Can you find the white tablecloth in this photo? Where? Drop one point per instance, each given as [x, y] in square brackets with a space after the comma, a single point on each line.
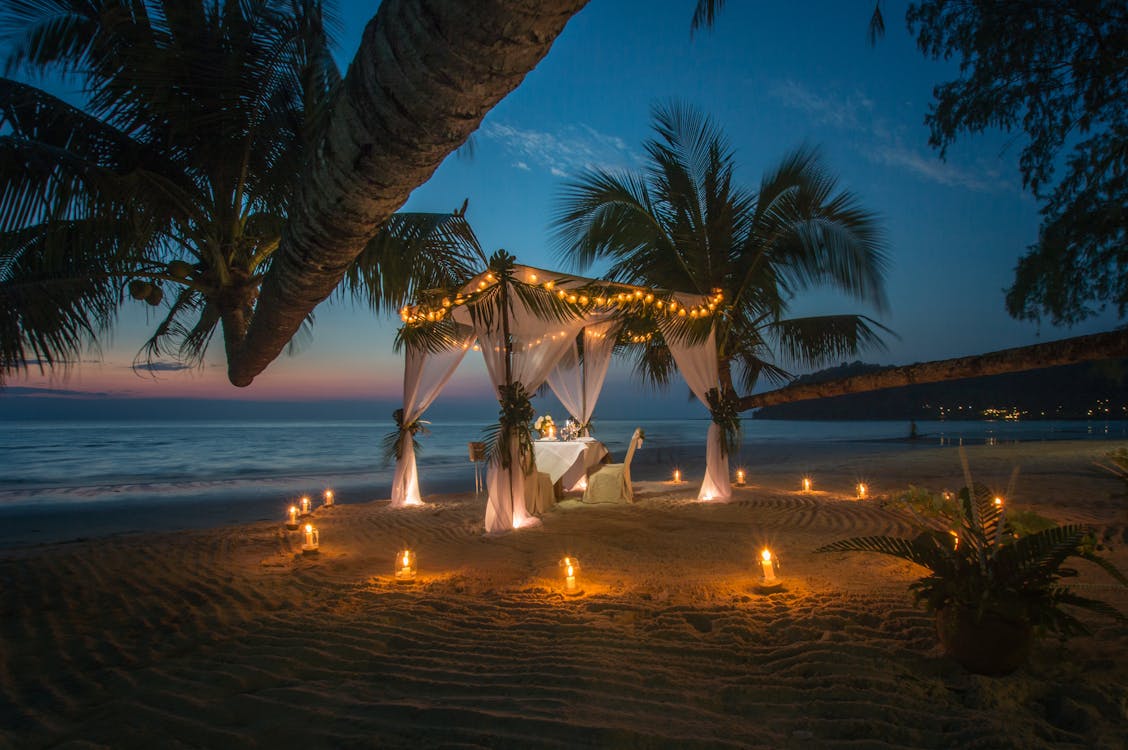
[567, 461]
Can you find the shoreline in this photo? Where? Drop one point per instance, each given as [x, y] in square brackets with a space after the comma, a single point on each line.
[842, 463]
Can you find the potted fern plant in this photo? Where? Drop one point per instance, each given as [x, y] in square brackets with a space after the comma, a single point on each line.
[990, 584]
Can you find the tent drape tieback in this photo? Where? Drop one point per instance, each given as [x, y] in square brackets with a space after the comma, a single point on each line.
[396, 441]
[724, 407]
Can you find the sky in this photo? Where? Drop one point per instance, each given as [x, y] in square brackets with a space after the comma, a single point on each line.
[773, 76]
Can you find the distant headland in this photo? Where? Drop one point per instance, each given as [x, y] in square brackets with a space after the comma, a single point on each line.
[1092, 390]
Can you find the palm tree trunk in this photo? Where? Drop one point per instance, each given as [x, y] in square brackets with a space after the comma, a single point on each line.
[425, 75]
[1065, 352]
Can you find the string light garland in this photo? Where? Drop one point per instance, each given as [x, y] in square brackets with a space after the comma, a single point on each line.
[587, 298]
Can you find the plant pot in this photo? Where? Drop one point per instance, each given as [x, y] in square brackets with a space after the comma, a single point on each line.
[993, 645]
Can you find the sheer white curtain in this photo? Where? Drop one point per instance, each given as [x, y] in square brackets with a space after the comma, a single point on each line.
[537, 347]
[578, 386]
[698, 365]
[424, 376]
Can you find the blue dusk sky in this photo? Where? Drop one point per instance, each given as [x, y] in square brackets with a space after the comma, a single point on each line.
[774, 76]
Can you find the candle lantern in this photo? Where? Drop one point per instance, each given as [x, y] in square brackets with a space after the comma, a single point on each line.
[328, 498]
[311, 541]
[998, 502]
[571, 566]
[292, 518]
[806, 484]
[405, 567]
[862, 490]
[739, 478]
[677, 476]
[768, 568]
[305, 505]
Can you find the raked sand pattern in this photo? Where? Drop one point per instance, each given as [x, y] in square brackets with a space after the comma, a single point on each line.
[231, 638]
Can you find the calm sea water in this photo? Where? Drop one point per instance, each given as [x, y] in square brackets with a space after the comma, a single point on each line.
[165, 472]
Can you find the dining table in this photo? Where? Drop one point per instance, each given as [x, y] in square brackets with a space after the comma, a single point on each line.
[567, 461]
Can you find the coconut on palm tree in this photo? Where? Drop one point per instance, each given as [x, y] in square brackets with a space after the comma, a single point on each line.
[685, 224]
[172, 180]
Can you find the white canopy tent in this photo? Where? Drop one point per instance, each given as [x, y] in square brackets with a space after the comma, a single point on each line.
[528, 342]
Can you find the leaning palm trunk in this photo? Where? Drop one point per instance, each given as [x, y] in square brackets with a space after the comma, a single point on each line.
[424, 77]
[1107, 345]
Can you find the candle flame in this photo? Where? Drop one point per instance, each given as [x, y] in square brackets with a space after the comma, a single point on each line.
[806, 484]
[861, 490]
[309, 528]
[406, 559]
[766, 555]
[570, 572]
[999, 502]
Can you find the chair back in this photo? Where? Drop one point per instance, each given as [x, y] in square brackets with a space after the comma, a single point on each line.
[631, 448]
[477, 451]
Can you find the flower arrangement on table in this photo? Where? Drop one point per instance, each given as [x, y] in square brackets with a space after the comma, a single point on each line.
[545, 426]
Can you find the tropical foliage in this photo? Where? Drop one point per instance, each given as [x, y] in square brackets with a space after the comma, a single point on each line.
[685, 224]
[170, 181]
[980, 563]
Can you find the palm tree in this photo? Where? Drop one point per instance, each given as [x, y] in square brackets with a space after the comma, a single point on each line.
[176, 175]
[684, 224]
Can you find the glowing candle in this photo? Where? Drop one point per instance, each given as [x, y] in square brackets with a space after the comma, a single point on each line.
[551, 432]
[740, 477]
[570, 565]
[292, 518]
[328, 498]
[312, 540]
[405, 567]
[307, 507]
[767, 566]
[998, 502]
[806, 484]
[861, 491]
[677, 476]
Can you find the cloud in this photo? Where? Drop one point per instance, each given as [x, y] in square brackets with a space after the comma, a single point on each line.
[562, 152]
[854, 112]
[162, 366]
[930, 167]
[882, 144]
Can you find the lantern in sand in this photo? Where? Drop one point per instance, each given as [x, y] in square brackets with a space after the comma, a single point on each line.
[739, 478]
[570, 566]
[328, 499]
[768, 568]
[292, 518]
[311, 540]
[806, 484]
[405, 567]
[861, 490]
[677, 476]
[305, 506]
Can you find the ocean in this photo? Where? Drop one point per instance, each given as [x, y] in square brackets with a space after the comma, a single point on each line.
[107, 477]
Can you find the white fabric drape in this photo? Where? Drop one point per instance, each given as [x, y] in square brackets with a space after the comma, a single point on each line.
[535, 352]
[698, 365]
[578, 385]
[425, 374]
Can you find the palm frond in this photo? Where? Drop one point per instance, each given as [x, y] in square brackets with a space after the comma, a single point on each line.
[414, 252]
[817, 340]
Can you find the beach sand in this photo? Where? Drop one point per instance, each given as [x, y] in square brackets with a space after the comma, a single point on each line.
[230, 637]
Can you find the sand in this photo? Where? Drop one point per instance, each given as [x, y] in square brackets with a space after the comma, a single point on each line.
[230, 637]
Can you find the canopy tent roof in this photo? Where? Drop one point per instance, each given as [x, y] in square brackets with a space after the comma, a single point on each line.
[526, 321]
